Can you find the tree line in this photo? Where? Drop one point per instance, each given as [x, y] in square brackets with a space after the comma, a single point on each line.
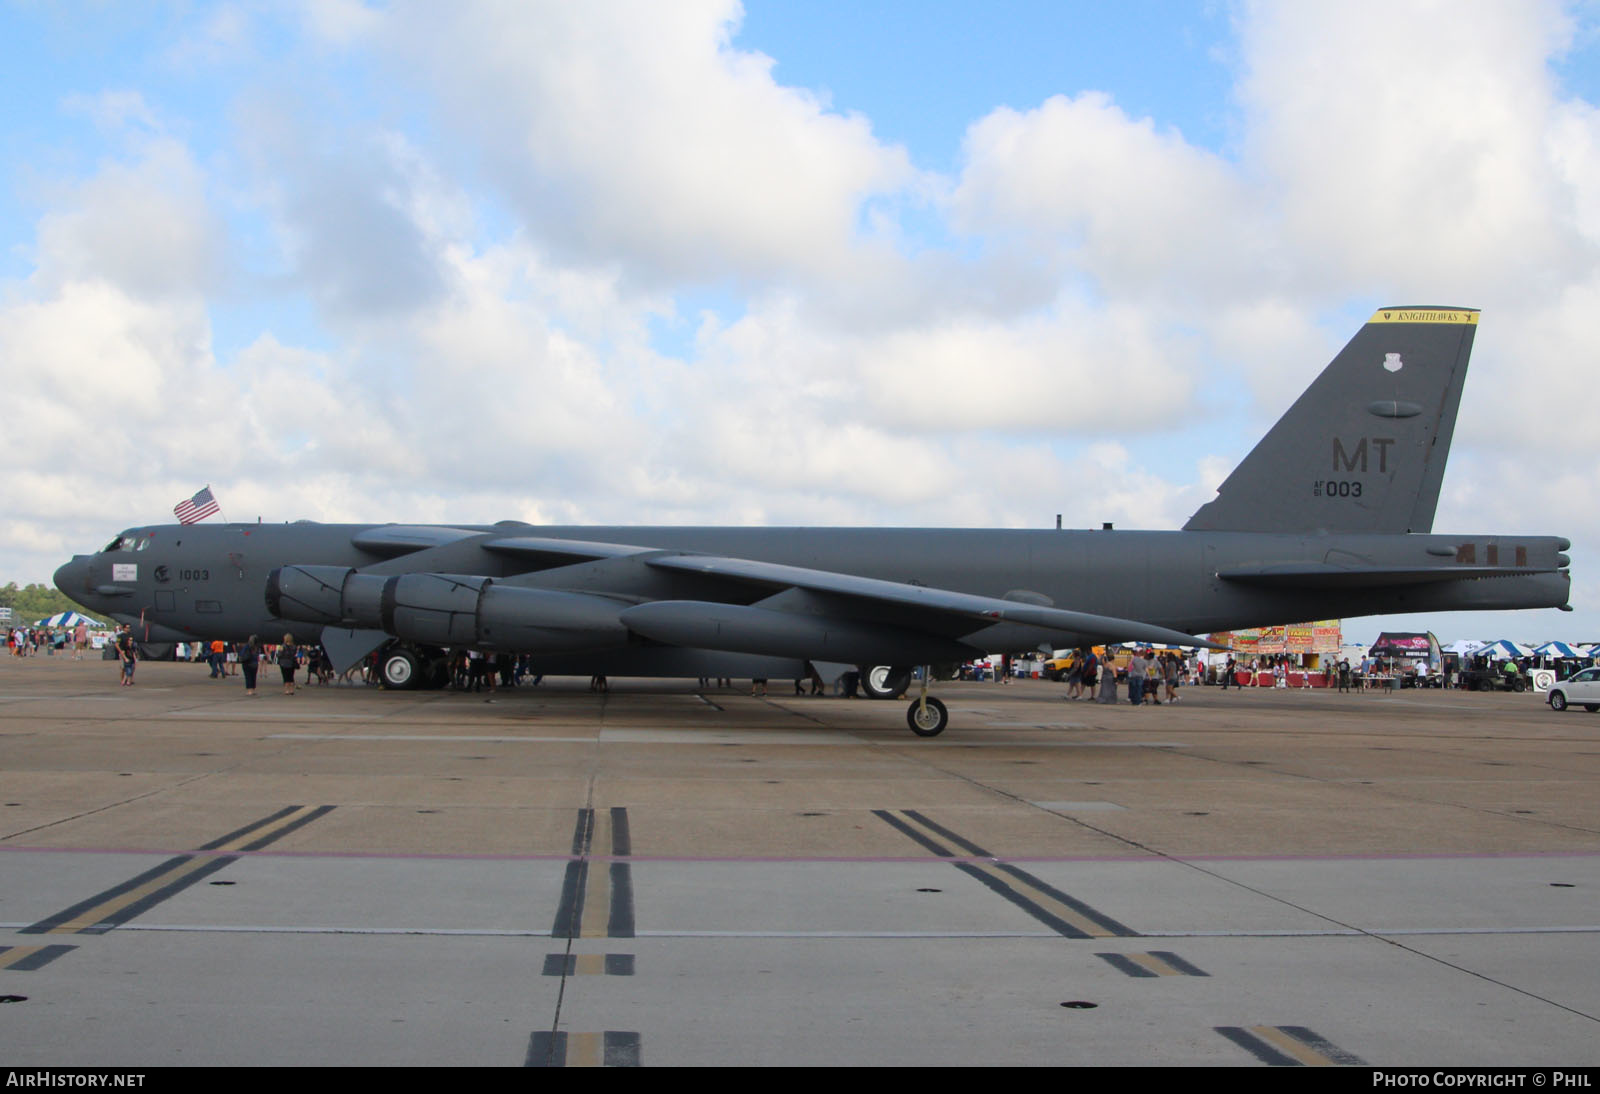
[33, 602]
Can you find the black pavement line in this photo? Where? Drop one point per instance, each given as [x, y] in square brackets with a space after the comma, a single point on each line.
[38, 959]
[546, 1049]
[583, 832]
[1054, 922]
[180, 866]
[566, 964]
[274, 836]
[619, 924]
[965, 844]
[621, 1049]
[83, 907]
[1017, 872]
[621, 839]
[51, 922]
[1256, 1047]
[618, 1048]
[1179, 963]
[238, 833]
[1125, 964]
[906, 829]
[1021, 900]
[569, 913]
[1070, 901]
[150, 900]
[1320, 1044]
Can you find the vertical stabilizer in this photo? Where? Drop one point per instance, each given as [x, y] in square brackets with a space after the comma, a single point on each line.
[1364, 449]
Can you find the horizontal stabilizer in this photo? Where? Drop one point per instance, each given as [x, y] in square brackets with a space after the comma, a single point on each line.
[1324, 576]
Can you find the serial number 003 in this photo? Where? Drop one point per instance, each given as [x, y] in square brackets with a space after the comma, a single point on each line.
[1336, 488]
[194, 575]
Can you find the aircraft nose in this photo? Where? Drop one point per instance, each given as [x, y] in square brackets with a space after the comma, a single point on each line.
[73, 577]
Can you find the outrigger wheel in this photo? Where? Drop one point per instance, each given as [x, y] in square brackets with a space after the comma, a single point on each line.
[927, 716]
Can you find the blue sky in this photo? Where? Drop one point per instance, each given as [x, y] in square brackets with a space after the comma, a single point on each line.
[977, 264]
[921, 71]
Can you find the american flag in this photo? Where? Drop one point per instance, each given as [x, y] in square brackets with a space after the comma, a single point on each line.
[197, 508]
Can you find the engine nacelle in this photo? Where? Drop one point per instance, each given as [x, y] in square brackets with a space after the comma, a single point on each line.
[437, 609]
[309, 594]
[548, 621]
[448, 609]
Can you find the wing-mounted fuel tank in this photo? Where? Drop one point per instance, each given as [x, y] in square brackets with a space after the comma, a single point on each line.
[447, 609]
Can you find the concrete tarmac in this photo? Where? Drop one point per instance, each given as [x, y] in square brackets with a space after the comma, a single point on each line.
[657, 876]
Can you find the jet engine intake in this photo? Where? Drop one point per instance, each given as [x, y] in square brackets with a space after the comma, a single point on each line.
[309, 594]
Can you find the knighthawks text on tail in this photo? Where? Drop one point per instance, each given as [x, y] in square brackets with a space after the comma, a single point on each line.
[1330, 515]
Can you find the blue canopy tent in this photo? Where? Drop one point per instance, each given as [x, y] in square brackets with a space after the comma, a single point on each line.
[69, 619]
[1559, 649]
[1503, 649]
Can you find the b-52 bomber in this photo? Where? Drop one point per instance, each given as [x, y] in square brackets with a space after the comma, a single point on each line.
[1330, 515]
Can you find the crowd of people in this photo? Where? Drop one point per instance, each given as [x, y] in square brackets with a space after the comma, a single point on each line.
[468, 670]
[233, 659]
[31, 641]
[1153, 678]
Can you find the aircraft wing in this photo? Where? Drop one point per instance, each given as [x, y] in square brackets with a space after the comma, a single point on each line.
[543, 552]
[733, 605]
[392, 540]
[847, 598]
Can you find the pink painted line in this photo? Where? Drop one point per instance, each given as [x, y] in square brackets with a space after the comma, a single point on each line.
[821, 859]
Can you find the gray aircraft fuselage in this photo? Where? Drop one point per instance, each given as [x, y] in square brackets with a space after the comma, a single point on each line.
[207, 581]
[1329, 516]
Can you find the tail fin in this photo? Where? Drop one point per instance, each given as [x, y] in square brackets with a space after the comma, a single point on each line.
[1364, 449]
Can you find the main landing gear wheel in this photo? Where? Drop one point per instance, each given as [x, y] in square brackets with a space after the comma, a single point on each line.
[927, 717]
[884, 681]
[399, 669]
[437, 673]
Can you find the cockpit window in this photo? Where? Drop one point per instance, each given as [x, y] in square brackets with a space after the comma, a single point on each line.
[127, 541]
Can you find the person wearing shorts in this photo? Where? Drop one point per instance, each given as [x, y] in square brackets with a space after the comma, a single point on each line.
[125, 651]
